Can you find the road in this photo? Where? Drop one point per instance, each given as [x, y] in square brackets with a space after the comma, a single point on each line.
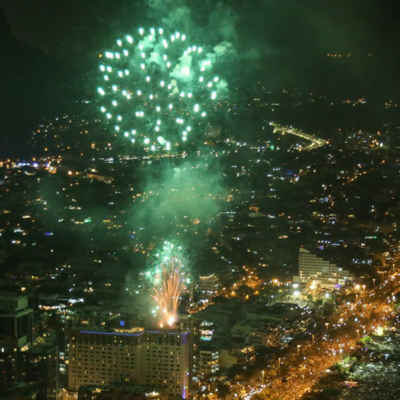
[306, 362]
[315, 142]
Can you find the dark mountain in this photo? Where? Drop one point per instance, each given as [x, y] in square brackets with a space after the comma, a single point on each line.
[32, 85]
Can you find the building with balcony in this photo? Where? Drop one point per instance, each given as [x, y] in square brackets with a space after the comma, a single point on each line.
[208, 360]
[315, 272]
[208, 285]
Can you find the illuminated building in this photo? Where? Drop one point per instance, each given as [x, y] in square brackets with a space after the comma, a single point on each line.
[120, 393]
[315, 271]
[208, 360]
[237, 356]
[209, 285]
[206, 330]
[158, 359]
[191, 324]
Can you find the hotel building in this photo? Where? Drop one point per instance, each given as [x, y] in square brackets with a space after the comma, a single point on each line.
[315, 271]
[136, 356]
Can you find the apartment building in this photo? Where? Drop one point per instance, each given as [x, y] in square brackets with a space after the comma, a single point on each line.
[315, 271]
[135, 356]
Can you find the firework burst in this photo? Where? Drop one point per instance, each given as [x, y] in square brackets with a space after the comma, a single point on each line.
[157, 89]
[169, 281]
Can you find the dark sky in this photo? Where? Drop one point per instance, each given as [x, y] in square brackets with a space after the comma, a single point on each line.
[47, 46]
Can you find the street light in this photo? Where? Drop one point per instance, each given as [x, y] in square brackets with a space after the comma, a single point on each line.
[262, 374]
[327, 326]
[373, 281]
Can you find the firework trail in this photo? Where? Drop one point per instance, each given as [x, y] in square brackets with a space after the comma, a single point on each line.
[169, 281]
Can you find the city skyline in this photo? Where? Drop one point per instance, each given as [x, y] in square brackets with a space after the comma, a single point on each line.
[199, 200]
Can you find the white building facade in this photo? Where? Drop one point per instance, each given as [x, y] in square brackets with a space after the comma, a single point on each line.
[315, 271]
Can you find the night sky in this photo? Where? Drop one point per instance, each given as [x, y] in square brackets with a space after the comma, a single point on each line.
[48, 48]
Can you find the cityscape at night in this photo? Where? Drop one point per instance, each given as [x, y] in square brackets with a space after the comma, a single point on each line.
[199, 200]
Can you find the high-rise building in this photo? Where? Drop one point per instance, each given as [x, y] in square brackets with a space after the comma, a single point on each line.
[67, 319]
[40, 368]
[208, 360]
[16, 321]
[102, 358]
[190, 323]
[136, 356]
[22, 361]
[315, 271]
[166, 357]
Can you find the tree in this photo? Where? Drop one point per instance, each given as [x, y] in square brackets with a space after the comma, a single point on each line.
[328, 309]
[235, 370]
[318, 303]
[223, 390]
[366, 340]
[244, 290]
[329, 393]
